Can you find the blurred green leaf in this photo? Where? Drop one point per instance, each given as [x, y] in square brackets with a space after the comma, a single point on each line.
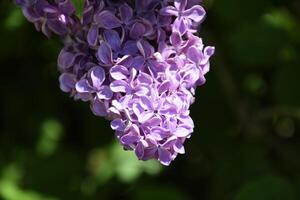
[14, 19]
[51, 132]
[79, 5]
[268, 188]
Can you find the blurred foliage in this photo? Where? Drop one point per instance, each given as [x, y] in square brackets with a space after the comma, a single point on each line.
[246, 144]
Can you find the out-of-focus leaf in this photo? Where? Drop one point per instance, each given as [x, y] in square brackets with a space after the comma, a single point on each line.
[51, 132]
[79, 5]
[159, 192]
[268, 188]
[14, 19]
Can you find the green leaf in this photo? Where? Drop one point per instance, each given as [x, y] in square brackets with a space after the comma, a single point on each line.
[79, 5]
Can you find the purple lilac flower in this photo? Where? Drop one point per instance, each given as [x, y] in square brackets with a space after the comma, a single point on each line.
[138, 64]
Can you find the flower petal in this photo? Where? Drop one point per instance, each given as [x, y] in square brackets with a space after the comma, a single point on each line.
[119, 86]
[97, 76]
[104, 53]
[67, 82]
[118, 125]
[182, 132]
[196, 13]
[105, 93]
[164, 156]
[113, 39]
[83, 86]
[119, 72]
[92, 36]
[107, 20]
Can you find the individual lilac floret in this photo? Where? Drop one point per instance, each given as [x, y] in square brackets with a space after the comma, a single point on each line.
[56, 17]
[137, 63]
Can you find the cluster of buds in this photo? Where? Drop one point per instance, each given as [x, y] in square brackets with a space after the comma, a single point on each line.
[138, 63]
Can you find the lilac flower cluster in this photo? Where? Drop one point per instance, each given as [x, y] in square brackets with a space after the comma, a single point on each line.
[137, 63]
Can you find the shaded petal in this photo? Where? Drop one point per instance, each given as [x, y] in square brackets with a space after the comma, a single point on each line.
[165, 86]
[126, 13]
[66, 59]
[178, 147]
[118, 125]
[145, 48]
[146, 103]
[99, 108]
[144, 78]
[138, 30]
[129, 48]
[176, 39]
[159, 133]
[139, 150]
[104, 53]
[180, 26]
[164, 156]
[105, 93]
[113, 39]
[138, 62]
[129, 139]
[92, 36]
[107, 20]
[67, 82]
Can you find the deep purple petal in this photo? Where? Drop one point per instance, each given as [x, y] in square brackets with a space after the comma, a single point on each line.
[104, 53]
[67, 82]
[107, 20]
[92, 36]
[113, 39]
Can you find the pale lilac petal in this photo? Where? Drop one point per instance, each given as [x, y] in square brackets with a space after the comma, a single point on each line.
[119, 72]
[194, 54]
[83, 86]
[182, 132]
[119, 86]
[180, 4]
[104, 93]
[196, 13]
[169, 10]
[97, 76]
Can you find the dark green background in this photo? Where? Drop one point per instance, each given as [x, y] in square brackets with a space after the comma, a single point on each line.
[246, 144]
